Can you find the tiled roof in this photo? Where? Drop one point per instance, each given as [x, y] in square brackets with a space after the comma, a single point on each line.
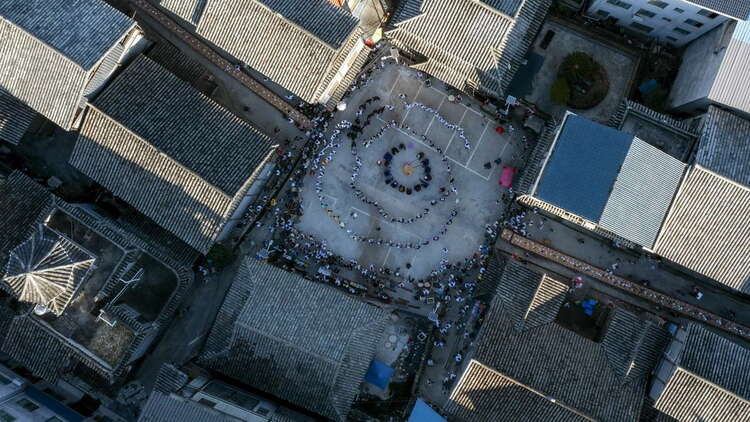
[295, 339]
[296, 47]
[739, 9]
[642, 193]
[162, 407]
[15, 118]
[706, 229]
[169, 151]
[485, 395]
[529, 300]
[48, 48]
[509, 7]
[711, 383]
[189, 10]
[725, 145]
[170, 379]
[731, 86]
[597, 380]
[81, 30]
[478, 48]
[179, 64]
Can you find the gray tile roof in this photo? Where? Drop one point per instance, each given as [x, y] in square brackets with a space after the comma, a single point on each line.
[529, 300]
[739, 9]
[485, 395]
[171, 58]
[301, 341]
[725, 145]
[169, 151]
[189, 10]
[49, 47]
[731, 86]
[706, 228]
[15, 118]
[162, 407]
[81, 30]
[170, 379]
[642, 192]
[712, 381]
[594, 379]
[509, 7]
[300, 48]
[479, 48]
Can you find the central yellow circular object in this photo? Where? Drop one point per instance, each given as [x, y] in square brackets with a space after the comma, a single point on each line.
[408, 169]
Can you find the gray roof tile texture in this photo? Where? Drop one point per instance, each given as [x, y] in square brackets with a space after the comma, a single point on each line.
[184, 124]
[739, 9]
[81, 30]
[321, 18]
[298, 340]
[595, 379]
[725, 145]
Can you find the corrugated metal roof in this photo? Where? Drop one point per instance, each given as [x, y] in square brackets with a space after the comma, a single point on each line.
[642, 193]
[732, 84]
[582, 167]
[739, 9]
[725, 145]
[706, 229]
[81, 30]
[275, 46]
[479, 48]
[298, 340]
[170, 152]
[15, 118]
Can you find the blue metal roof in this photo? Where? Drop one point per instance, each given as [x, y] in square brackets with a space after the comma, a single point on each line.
[583, 166]
[422, 412]
[379, 374]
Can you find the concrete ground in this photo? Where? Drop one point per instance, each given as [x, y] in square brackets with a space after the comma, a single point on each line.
[678, 145]
[620, 67]
[477, 186]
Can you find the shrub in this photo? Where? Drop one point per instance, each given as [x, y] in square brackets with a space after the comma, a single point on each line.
[220, 256]
[560, 91]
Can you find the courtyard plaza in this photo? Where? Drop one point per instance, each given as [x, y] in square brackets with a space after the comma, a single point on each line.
[407, 181]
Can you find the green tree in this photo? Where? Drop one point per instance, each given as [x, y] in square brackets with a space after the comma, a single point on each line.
[560, 91]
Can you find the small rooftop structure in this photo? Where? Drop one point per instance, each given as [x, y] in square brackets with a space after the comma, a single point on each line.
[706, 229]
[528, 367]
[56, 53]
[715, 70]
[480, 48]
[301, 341]
[703, 376]
[724, 145]
[77, 282]
[170, 152]
[608, 178]
[314, 51]
[197, 397]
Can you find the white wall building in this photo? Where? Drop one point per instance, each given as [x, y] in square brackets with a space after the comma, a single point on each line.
[675, 22]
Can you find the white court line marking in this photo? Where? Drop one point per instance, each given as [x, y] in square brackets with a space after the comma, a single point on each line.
[454, 132]
[427, 146]
[478, 144]
[413, 101]
[433, 117]
[363, 212]
[387, 254]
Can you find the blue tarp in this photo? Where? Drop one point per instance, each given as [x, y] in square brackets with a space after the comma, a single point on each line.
[424, 413]
[583, 166]
[379, 374]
